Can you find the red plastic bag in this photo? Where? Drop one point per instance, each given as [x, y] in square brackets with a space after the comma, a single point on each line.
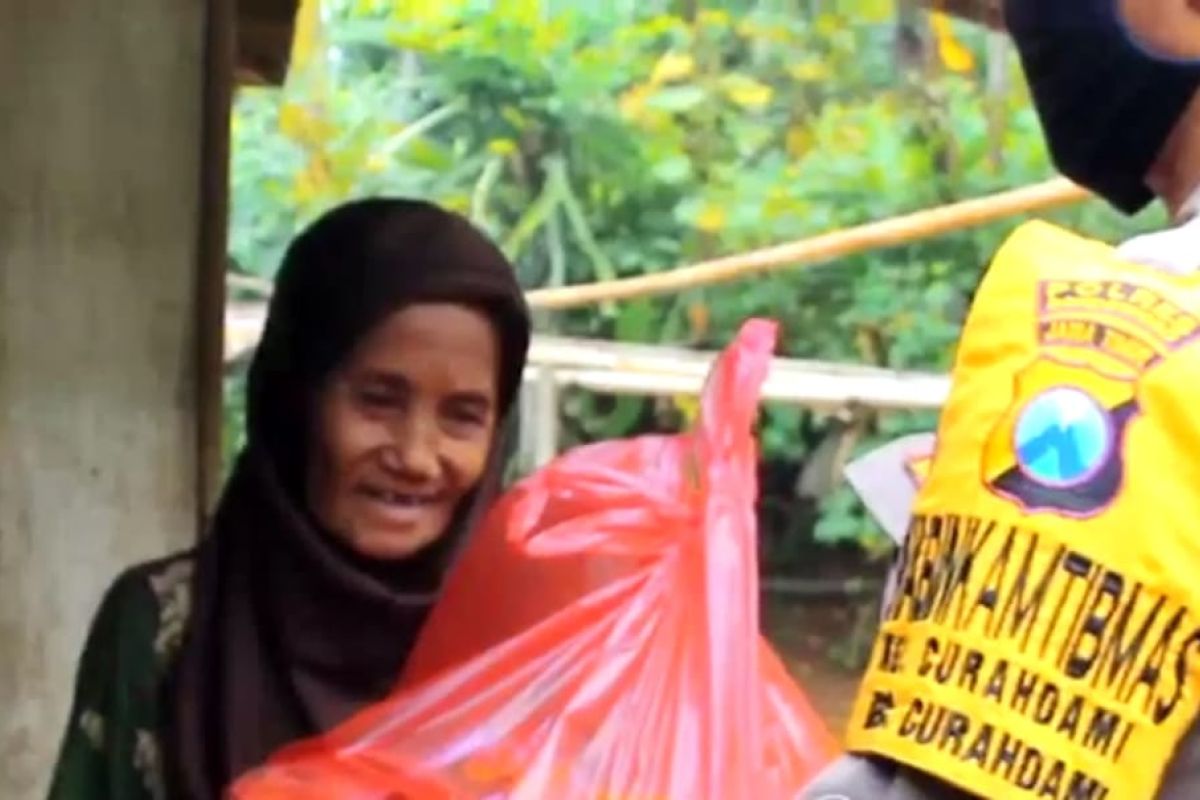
[598, 639]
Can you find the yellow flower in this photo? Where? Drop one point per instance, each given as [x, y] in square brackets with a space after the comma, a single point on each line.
[827, 24]
[293, 120]
[673, 67]
[654, 26]
[458, 201]
[376, 163]
[308, 39]
[715, 18]
[313, 181]
[547, 36]
[749, 29]
[502, 147]
[875, 10]
[956, 56]
[810, 71]
[747, 92]
[711, 218]
[301, 123]
[798, 140]
[633, 101]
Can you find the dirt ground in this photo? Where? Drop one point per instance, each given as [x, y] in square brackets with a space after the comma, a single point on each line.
[812, 637]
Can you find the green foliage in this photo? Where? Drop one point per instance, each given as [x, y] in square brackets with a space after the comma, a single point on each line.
[625, 138]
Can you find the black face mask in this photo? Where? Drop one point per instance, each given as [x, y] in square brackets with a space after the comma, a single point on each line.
[1107, 105]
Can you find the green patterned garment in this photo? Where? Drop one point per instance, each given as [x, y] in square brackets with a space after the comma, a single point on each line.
[112, 747]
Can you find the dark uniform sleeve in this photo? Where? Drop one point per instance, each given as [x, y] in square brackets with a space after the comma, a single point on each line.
[855, 777]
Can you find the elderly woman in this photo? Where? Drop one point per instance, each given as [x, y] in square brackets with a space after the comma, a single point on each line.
[376, 402]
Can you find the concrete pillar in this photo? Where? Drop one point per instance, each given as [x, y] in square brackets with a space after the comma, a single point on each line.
[101, 129]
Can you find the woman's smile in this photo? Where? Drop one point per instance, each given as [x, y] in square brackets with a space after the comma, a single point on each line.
[402, 508]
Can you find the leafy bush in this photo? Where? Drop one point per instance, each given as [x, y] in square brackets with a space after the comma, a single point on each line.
[628, 137]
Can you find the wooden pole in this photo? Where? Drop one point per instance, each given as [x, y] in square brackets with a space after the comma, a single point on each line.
[836, 244]
[904, 229]
[220, 54]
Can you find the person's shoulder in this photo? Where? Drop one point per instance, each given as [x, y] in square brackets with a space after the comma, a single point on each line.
[155, 580]
[1175, 250]
[160, 576]
[152, 600]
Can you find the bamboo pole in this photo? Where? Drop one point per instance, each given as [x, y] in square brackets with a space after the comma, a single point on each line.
[836, 244]
[904, 229]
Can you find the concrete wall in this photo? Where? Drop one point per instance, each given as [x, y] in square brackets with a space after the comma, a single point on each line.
[100, 147]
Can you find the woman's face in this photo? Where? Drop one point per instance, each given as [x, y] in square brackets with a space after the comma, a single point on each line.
[404, 429]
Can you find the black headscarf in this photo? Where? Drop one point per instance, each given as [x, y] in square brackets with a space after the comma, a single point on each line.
[291, 633]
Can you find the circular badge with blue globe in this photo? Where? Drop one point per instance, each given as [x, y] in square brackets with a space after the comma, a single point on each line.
[1063, 437]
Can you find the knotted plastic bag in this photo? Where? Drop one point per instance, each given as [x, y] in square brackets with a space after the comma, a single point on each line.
[598, 639]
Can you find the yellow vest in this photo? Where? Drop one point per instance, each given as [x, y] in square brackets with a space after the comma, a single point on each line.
[1044, 637]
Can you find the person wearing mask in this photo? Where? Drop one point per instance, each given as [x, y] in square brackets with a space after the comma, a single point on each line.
[376, 407]
[1116, 84]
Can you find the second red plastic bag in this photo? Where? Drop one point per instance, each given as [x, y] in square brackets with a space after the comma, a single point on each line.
[597, 640]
